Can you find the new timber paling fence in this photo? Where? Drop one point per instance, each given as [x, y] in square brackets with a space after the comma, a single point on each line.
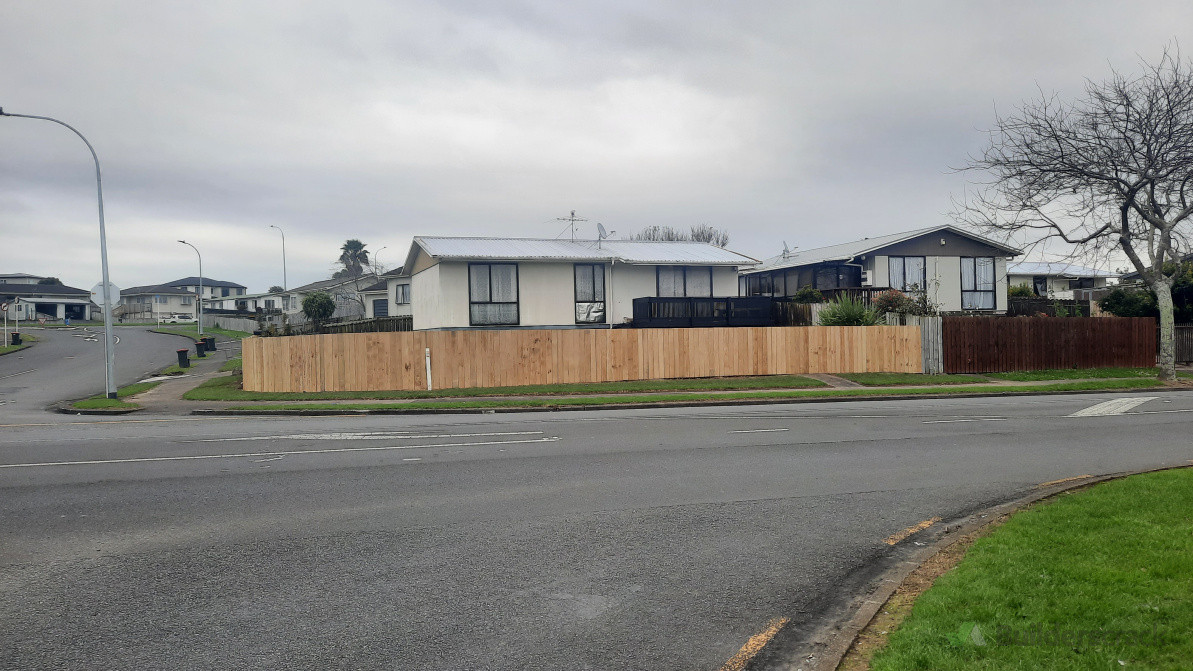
[995, 344]
[500, 358]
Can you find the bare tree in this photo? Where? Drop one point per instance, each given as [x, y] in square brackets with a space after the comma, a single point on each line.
[1110, 171]
[699, 233]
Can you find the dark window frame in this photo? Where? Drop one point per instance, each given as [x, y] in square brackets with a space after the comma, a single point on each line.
[517, 295]
[922, 284]
[596, 268]
[383, 303]
[992, 291]
[685, 269]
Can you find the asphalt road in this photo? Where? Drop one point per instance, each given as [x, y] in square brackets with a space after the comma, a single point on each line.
[634, 539]
[68, 364]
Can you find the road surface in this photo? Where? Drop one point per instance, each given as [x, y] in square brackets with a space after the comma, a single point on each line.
[630, 539]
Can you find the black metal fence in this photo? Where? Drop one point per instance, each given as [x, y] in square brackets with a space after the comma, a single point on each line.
[375, 325]
[681, 312]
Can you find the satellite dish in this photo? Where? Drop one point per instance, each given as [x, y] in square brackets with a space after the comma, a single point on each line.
[601, 230]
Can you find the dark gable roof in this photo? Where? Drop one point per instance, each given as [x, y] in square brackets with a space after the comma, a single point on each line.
[383, 285]
[41, 290]
[207, 282]
[155, 289]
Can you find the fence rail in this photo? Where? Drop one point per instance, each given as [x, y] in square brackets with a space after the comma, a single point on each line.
[993, 344]
[462, 359]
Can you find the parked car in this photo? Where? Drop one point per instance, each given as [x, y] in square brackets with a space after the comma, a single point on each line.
[176, 319]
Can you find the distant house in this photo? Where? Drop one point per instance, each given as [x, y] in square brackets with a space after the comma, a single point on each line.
[389, 296]
[960, 271]
[344, 291]
[1058, 280]
[19, 278]
[155, 301]
[471, 282]
[268, 302]
[211, 288]
[31, 301]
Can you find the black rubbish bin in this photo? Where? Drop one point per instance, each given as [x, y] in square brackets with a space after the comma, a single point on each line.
[210, 340]
[16, 338]
[200, 349]
[184, 361]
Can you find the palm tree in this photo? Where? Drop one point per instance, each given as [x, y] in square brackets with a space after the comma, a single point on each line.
[354, 256]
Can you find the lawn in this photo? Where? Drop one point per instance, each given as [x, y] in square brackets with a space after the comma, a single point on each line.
[193, 331]
[1097, 579]
[235, 364]
[564, 401]
[101, 401]
[1074, 374]
[227, 389]
[906, 379]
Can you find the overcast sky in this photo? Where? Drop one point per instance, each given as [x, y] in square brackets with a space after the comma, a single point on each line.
[811, 123]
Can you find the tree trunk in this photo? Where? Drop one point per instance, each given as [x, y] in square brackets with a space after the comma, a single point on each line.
[1167, 361]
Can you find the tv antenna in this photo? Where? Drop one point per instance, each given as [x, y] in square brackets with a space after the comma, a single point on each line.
[602, 234]
[571, 223]
[786, 250]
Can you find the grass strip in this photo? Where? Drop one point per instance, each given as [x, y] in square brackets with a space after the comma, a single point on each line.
[102, 402]
[1088, 385]
[235, 364]
[908, 379]
[1094, 579]
[1074, 374]
[227, 389]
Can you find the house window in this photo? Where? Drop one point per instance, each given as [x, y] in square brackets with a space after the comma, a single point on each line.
[160, 300]
[187, 300]
[402, 294]
[225, 292]
[270, 304]
[907, 273]
[680, 281]
[492, 294]
[380, 307]
[838, 277]
[590, 293]
[760, 285]
[1040, 285]
[977, 283]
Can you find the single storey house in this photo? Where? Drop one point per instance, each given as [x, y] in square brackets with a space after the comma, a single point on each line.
[57, 302]
[470, 282]
[155, 301]
[959, 270]
[389, 296]
[1058, 280]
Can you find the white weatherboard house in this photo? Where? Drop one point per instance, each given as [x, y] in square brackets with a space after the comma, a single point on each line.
[1057, 280]
[459, 283]
[959, 270]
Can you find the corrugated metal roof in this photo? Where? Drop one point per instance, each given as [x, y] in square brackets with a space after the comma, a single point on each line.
[1055, 268]
[623, 251]
[848, 250]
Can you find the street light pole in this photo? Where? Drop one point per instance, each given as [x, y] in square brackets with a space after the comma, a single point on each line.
[200, 284]
[377, 261]
[285, 283]
[109, 338]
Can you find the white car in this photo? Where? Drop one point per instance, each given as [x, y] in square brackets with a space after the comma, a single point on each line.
[176, 319]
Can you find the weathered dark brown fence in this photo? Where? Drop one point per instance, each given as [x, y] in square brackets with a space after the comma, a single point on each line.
[995, 344]
[1184, 343]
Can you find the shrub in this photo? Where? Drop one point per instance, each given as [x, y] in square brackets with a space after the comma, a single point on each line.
[1021, 291]
[845, 311]
[892, 300]
[1122, 302]
[807, 295]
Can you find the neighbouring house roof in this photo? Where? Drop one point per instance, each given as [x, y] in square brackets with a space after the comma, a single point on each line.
[154, 289]
[323, 285]
[18, 276]
[622, 251]
[32, 290]
[207, 282]
[376, 287]
[849, 250]
[1056, 269]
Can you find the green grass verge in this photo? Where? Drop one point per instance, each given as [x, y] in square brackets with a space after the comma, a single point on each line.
[26, 341]
[226, 389]
[101, 401]
[192, 332]
[235, 364]
[1098, 579]
[1073, 374]
[901, 379]
[563, 401]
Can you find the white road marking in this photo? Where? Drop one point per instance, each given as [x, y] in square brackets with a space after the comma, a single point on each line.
[193, 457]
[759, 430]
[1112, 407]
[375, 435]
[972, 419]
[4, 377]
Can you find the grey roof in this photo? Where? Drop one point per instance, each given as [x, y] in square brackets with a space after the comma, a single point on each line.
[849, 250]
[1054, 268]
[41, 290]
[193, 281]
[622, 251]
[19, 276]
[321, 285]
[155, 289]
[383, 285]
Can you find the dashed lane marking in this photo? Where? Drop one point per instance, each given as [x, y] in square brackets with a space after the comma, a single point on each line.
[753, 646]
[971, 419]
[373, 435]
[1113, 407]
[759, 430]
[332, 450]
[895, 538]
[5, 377]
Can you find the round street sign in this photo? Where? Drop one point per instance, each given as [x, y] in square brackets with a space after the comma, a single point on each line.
[97, 293]
[3, 307]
